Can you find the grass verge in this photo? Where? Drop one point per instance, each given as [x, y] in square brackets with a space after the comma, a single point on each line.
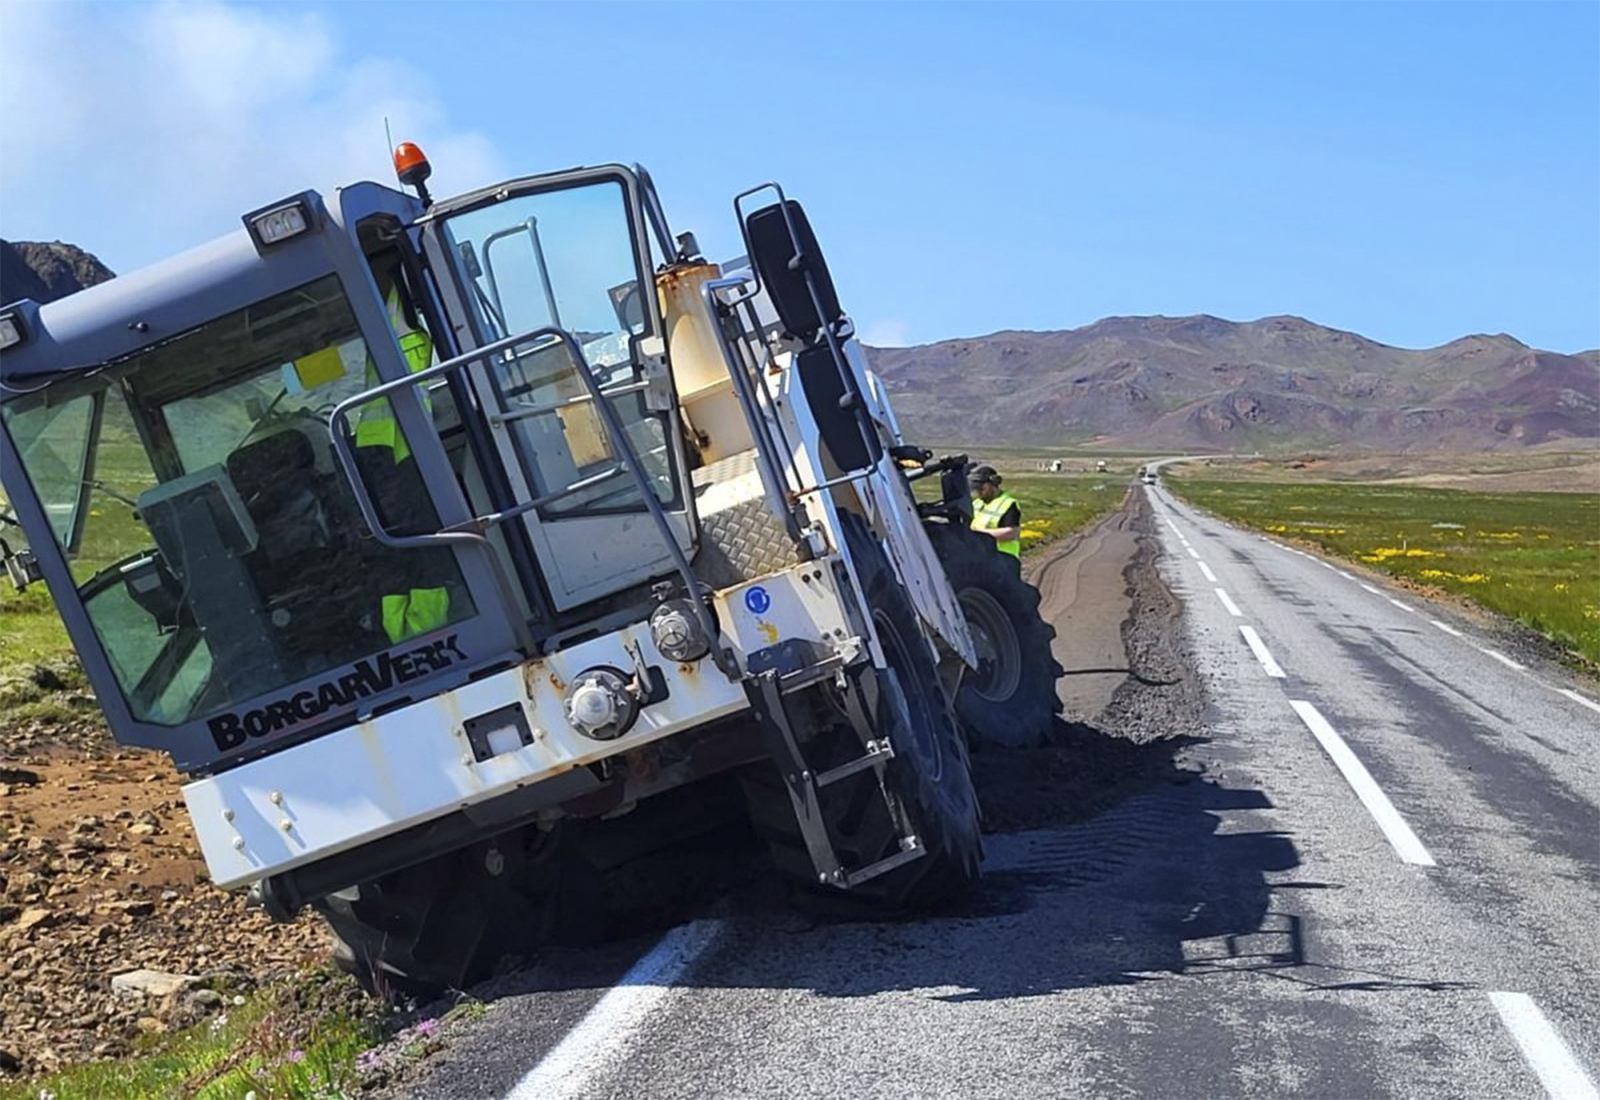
[278, 1045]
[1533, 557]
[1053, 505]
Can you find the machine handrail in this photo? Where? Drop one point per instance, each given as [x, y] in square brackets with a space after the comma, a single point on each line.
[339, 425]
[773, 480]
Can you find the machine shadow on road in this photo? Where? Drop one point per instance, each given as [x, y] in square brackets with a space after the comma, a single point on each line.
[1170, 879]
[1133, 867]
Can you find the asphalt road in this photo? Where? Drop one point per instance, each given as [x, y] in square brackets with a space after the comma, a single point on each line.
[1373, 871]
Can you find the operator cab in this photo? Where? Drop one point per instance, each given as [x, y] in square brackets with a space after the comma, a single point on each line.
[169, 429]
[249, 546]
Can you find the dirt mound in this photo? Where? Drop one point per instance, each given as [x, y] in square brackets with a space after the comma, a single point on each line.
[100, 876]
[1135, 703]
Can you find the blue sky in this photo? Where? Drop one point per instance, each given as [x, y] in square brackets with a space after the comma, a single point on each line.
[1413, 173]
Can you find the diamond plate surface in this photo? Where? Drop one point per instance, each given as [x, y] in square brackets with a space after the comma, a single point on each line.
[740, 538]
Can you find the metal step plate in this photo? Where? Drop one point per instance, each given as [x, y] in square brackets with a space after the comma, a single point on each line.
[740, 538]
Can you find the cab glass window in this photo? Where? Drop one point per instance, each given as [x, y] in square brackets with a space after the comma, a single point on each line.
[222, 555]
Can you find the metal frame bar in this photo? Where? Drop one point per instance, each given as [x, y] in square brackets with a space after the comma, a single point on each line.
[523, 412]
[338, 429]
[773, 479]
[530, 226]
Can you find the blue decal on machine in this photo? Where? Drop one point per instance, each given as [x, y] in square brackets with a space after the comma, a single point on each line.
[757, 599]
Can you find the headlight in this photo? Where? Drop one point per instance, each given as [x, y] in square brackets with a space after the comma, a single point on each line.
[677, 633]
[12, 332]
[600, 704]
[278, 223]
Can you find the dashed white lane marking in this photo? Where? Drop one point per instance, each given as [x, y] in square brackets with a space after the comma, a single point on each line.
[1172, 525]
[1402, 606]
[1502, 658]
[1193, 553]
[1259, 648]
[1233, 608]
[1395, 830]
[1446, 627]
[1558, 1071]
[570, 1068]
[1326, 566]
[1576, 698]
[1343, 574]
[1205, 571]
[1371, 589]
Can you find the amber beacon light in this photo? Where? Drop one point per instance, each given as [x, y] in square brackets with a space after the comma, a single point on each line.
[413, 169]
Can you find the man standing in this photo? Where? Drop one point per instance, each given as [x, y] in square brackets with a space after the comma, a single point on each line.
[995, 512]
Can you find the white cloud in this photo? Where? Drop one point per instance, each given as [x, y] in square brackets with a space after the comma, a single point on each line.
[138, 130]
[886, 332]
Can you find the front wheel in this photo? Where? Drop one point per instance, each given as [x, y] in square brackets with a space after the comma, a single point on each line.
[929, 775]
[447, 922]
[1010, 698]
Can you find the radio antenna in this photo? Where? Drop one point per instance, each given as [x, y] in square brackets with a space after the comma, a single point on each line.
[388, 152]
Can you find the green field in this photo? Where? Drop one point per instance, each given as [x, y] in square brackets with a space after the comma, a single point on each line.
[1534, 557]
[1053, 505]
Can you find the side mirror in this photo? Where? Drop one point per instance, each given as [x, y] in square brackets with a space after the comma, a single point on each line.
[785, 251]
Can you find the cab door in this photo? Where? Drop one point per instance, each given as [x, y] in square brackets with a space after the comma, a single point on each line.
[568, 251]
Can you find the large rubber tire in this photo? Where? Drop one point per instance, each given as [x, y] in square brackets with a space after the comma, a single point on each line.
[930, 773]
[446, 923]
[1010, 699]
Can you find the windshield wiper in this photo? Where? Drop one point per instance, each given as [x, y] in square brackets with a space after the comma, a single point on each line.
[110, 492]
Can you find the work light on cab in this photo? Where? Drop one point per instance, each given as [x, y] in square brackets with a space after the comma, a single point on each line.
[272, 225]
[12, 332]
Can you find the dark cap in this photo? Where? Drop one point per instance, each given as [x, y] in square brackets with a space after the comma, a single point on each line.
[981, 475]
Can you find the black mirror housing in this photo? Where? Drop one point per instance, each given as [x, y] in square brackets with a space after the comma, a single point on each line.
[782, 259]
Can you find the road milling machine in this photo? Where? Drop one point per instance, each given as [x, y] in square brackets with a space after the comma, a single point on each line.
[420, 532]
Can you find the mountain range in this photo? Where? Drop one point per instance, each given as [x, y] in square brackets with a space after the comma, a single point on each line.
[1186, 383]
[46, 271]
[1203, 383]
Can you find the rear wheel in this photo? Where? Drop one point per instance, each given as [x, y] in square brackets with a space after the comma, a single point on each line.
[929, 773]
[445, 923]
[1010, 698]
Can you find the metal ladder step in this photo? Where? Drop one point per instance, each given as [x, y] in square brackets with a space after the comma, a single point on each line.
[878, 753]
[804, 785]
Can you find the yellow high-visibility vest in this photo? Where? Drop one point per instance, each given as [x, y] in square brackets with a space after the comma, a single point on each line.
[986, 516]
[377, 426]
[416, 612]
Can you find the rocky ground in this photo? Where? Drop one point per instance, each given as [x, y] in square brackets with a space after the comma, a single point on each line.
[109, 929]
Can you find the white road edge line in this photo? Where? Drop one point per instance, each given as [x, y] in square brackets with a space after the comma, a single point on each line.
[1576, 698]
[1446, 627]
[1193, 553]
[1395, 830]
[1259, 648]
[1402, 606]
[1233, 608]
[569, 1068]
[1205, 571]
[1371, 589]
[1558, 1071]
[1502, 658]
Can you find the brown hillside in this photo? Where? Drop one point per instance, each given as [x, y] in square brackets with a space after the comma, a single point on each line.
[1205, 383]
[46, 271]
